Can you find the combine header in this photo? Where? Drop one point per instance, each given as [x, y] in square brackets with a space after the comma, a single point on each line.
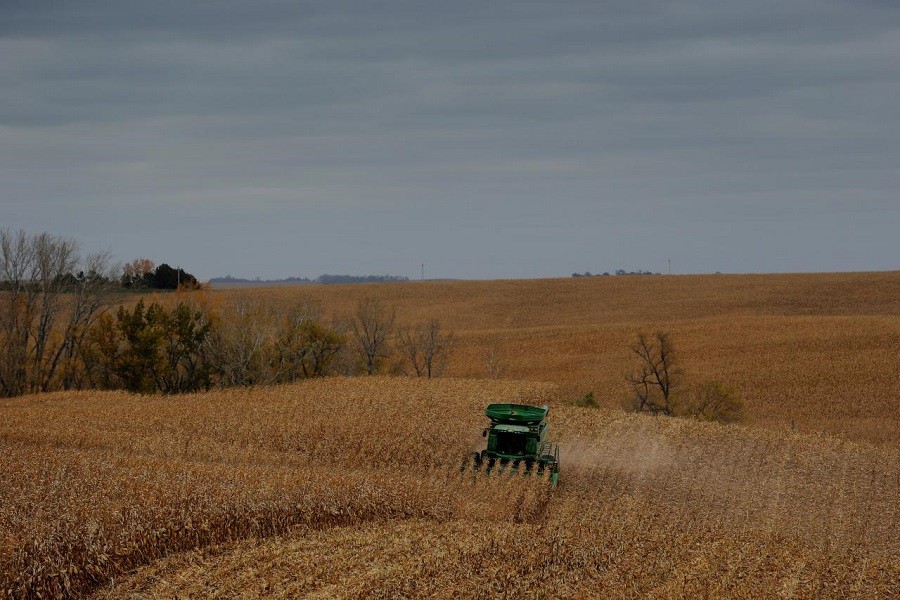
[517, 439]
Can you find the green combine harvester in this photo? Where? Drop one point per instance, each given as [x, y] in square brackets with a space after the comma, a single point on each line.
[517, 439]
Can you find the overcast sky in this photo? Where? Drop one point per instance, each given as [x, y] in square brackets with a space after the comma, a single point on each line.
[485, 139]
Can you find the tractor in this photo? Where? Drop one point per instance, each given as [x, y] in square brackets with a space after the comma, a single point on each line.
[517, 439]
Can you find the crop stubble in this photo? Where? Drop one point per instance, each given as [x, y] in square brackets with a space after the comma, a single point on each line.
[351, 487]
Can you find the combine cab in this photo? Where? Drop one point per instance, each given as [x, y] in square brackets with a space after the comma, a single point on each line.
[517, 440]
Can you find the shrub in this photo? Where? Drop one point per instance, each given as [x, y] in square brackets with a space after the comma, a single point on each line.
[715, 401]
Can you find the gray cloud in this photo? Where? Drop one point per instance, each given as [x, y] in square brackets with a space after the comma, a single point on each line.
[486, 139]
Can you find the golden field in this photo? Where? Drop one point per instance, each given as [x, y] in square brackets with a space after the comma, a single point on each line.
[818, 350]
[351, 487]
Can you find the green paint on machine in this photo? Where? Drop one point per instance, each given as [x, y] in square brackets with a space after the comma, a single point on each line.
[517, 439]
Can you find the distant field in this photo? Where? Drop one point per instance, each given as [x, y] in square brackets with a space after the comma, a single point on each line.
[351, 488]
[818, 350]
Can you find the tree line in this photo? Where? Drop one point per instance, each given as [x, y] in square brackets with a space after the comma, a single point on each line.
[194, 346]
[46, 312]
[58, 330]
[142, 274]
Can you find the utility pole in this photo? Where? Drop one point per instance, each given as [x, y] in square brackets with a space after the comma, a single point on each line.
[423, 271]
[670, 266]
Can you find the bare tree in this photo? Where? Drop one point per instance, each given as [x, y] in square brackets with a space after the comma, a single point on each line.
[16, 315]
[240, 342]
[54, 260]
[90, 299]
[36, 272]
[426, 349]
[658, 387]
[371, 327]
[656, 381]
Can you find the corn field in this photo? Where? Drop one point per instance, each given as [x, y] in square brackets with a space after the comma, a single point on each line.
[351, 487]
[810, 352]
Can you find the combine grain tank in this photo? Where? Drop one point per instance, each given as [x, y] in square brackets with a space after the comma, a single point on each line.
[517, 440]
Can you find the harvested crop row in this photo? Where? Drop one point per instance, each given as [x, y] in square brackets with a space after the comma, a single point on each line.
[622, 555]
[93, 486]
